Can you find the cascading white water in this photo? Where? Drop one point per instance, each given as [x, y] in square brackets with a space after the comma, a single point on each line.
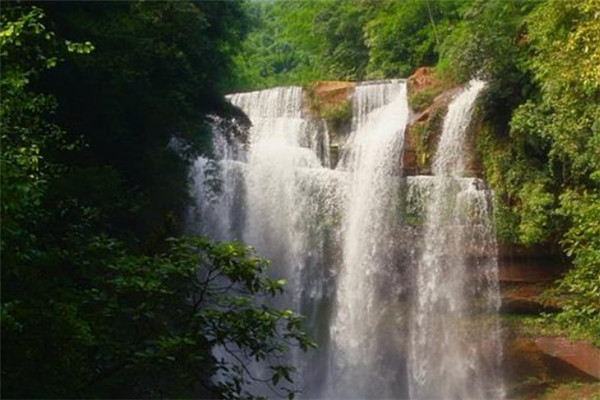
[372, 158]
[279, 196]
[218, 187]
[343, 240]
[283, 182]
[454, 324]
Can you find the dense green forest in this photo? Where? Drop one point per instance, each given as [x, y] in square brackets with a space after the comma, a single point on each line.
[96, 302]
[102, 294]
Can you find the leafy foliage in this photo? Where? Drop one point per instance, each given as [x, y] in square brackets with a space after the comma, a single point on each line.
[87, 311]
[581, 311]
[140, 326]
[403, 35]
[156, 72]
[544, 169]
[345, 53]
[280, 48]
[302, 41]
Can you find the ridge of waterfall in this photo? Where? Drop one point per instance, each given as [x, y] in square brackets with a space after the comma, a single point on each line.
[455, 348]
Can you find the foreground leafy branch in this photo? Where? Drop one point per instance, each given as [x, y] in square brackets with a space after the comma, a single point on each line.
[195, 311]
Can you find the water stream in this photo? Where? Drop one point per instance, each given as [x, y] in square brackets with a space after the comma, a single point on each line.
[388, 293]
[372, 159]
[454, 334]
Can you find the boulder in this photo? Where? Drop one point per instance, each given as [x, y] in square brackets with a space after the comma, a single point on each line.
[421, 79]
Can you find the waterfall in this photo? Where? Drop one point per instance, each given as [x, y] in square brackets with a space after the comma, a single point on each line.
[279, 195]
[372, 158]
[366, 252]
[454, 324]
[285, 185]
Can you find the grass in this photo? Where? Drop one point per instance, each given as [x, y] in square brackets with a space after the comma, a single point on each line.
[572, 391]
[532, 325]
[422, 99]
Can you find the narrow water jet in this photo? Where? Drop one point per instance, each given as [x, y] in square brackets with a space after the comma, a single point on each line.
[455, 348]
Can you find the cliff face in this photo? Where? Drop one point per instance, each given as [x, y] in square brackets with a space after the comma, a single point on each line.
[331, 101]
[329, 94]
[423, 133]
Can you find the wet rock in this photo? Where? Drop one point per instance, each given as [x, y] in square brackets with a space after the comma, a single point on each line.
[327, 94]
[423, 132]
[529, 264]
[530, 368]
[534, 364]
[578, 354]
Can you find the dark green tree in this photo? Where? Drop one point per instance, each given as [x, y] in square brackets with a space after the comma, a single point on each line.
[156, 72]
[85, 312]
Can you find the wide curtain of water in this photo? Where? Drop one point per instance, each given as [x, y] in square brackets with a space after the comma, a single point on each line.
[388, 295]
